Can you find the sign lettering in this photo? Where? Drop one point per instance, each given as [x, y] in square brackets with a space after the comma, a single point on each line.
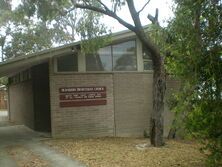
[82, 96]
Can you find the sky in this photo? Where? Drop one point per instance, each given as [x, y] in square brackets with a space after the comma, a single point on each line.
[165, 13]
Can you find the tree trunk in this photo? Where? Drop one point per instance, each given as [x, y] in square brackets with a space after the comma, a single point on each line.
[159, 87]
[156, 121]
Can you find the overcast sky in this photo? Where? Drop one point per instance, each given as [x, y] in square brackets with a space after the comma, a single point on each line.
[165, 12]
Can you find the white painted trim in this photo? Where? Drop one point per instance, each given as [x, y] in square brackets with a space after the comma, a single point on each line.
[81, 62]
[139, 55]
[111, 72]
[54, 64]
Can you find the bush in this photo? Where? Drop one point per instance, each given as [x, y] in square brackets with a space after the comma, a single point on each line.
[205, 123]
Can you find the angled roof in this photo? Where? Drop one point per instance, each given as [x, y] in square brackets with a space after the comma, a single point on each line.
[16, 64]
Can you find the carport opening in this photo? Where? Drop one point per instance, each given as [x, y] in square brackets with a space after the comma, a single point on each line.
[4, 116]
[29, 98]
[3, 102]
[41, 97]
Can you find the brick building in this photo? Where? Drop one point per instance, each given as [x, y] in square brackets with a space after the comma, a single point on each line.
[72, 94]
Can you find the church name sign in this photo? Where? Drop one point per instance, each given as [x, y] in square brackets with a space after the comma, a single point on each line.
[82, 96]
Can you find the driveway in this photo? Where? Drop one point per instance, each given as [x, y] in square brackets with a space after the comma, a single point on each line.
[20, 146]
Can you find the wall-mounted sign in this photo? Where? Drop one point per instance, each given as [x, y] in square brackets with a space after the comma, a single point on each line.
[82, 96]
[77, 96]
[82, 89]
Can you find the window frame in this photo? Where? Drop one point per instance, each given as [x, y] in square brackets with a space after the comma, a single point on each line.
[112, 62]
[81, 59]
[102, 71]
[55, 62]
[146, 60]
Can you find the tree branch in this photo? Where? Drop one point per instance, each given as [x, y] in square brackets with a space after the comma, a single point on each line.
[154, 20]
[134, 14]
[106, 8]
[115, 7]
[107, 12]
[143, 6]
[150, 46]
[68, 11]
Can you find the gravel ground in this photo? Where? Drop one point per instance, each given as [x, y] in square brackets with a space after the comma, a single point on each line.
[125, 152]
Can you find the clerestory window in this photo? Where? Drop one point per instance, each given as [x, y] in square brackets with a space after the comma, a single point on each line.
[117, 57]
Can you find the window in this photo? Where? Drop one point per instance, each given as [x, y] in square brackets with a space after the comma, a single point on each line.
[118, 57]
[147, 62]
[124, 56]
[102, 61]
[67, 63]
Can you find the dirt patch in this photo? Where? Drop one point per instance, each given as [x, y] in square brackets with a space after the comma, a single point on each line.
[125, 152]
[25, 157]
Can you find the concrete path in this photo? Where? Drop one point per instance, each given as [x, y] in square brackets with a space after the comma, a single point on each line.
[3, 116]
[3, 113]
[6, 160]
[20, 135]
[54, 158]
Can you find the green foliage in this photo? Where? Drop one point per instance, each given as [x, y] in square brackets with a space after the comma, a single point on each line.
[37, 25]
[159, 36]
[20, 35]
[31, 40]
[91, 30]
[44, 9]
[205, 123]
[196, 45]
[3, 81]
[55, 22]
[5, 5]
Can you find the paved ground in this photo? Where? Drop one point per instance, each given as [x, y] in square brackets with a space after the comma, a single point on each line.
[21, 136]
[3, 113]
[3, 116]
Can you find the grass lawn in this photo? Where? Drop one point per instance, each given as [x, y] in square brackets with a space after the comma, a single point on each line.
[130, 152]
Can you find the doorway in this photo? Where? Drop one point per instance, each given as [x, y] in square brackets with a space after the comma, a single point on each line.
[41, 97]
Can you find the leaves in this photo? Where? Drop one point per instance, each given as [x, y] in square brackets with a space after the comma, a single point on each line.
[35, 25]
[33, 39]
[121, 152]
[196, 59]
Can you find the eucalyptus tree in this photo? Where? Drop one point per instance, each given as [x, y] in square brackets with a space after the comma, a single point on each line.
[196, 58]
[28, 39]
[20, 35]
[5, 24]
